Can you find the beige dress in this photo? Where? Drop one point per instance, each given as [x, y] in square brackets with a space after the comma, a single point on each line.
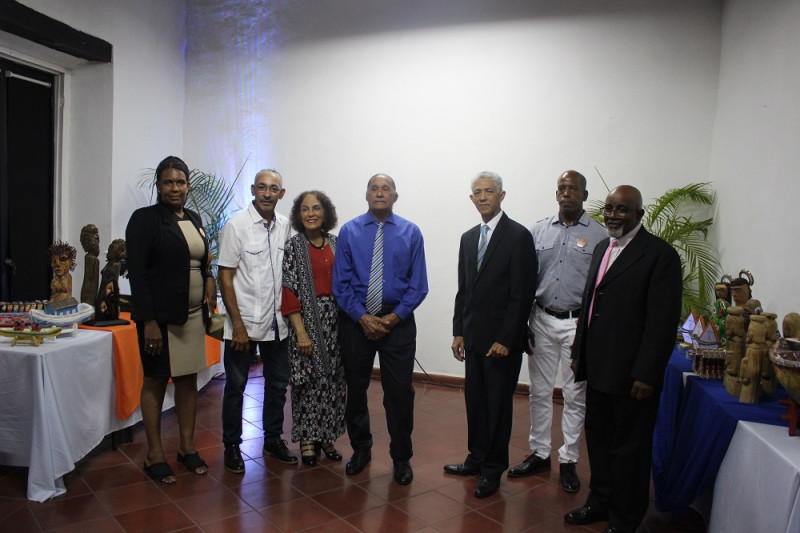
[187, 342]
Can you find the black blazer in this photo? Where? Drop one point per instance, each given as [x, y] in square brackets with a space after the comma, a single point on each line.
[158, 264]
[493, 304]
[635, 317]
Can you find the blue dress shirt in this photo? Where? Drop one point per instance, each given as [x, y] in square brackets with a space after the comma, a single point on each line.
[405, 279]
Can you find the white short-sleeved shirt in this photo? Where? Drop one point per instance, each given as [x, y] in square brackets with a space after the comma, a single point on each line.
[256, 253]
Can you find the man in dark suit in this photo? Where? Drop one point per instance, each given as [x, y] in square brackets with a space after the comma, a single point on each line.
[622, 345]
[496, 285]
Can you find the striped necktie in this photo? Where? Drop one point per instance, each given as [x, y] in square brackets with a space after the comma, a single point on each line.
[482, 244]
[375, 288]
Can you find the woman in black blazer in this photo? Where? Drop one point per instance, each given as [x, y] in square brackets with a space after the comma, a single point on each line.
[170, 288]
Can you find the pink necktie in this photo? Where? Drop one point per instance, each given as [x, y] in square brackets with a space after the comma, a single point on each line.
[601, 272]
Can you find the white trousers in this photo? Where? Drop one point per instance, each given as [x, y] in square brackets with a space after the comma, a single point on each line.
[554, 337]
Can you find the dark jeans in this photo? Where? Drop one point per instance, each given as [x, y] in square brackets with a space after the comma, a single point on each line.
[396, 356]
[275, 356]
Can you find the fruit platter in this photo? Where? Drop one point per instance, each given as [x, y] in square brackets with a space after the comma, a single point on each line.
[32, 334]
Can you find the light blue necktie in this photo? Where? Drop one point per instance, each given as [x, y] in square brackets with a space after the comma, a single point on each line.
[482, 244]
[375, 287]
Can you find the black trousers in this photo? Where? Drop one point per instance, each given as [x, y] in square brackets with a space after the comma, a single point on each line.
[490, 383]
[619, 439]
[396, 357]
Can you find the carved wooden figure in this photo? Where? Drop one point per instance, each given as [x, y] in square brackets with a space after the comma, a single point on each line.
[734, 325]
[90, 241]
[750, 369]
[768, 381]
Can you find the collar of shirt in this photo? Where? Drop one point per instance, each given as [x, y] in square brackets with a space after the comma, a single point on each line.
[492, 225]
[370, 219]
[256, 217]
[583, 220]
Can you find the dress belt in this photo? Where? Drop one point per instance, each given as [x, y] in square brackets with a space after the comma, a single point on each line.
[575, 313]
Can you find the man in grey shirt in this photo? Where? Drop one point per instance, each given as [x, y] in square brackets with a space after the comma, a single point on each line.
[564, 245]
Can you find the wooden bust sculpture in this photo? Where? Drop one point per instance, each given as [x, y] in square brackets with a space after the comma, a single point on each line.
[722, 292]
[107, 302]
[90, 241]
[750, 368]
[62, 261]
[734, 325]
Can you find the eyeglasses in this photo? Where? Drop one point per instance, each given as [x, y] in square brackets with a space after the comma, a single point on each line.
[621, 210]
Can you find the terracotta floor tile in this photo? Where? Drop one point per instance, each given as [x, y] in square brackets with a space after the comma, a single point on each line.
[100, 525]
[386, 488]
[386, 519]
[60, 512]
[431, 507]
[20, 520]
[114, 476]
[298, 514]
[212, 506]
[262, 494]
[251, 522]
[315, 480]
[131, 497]
[516, 515]
[334, 526]
[469, 522]
[188, 485]
[348, 500]
[158, 519]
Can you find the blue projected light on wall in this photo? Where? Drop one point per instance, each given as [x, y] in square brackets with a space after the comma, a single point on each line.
[230, 49]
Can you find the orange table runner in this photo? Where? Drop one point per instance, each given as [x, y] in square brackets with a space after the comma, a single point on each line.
[128, 364]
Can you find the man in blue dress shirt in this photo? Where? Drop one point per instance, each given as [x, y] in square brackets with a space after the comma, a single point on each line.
[379, 279]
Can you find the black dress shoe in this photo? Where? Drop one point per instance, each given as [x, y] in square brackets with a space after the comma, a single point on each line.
[233, 459]
[402, 472]
[613, 529]
[277, 448]
[486, 487]
[530, 466]
[461, 469]
[357, 463]
[585, 515]
[569, 477]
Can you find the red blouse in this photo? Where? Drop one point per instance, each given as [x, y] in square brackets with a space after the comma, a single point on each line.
[321, 269]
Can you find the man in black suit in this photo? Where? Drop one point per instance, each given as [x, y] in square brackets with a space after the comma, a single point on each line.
[622, 345]
[496, 285]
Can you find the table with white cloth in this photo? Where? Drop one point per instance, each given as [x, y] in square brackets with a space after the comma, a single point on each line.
[758, 484]
[57, 403]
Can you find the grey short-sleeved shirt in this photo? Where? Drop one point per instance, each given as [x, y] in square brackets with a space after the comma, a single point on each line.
[564, 254]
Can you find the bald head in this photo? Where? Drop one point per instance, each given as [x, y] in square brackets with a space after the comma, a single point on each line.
[623, 210]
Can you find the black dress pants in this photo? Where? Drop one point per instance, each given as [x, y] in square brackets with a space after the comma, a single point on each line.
[619, 439]
[489, 393]
[396, 357]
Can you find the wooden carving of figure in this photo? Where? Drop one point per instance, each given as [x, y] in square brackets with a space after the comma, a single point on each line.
[734, 325]
[722, 291]
[62, 261]
[107, 303]
[767, 370]
[791, 326]
[750, 369]
[90, 241]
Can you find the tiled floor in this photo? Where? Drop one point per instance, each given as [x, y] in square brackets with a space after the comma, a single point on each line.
[109, 492]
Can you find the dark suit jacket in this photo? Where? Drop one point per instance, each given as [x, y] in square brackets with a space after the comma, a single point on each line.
[158, 264]
[493, 304]
[635, 317]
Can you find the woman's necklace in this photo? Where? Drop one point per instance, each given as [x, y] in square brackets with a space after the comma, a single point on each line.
[321, 245]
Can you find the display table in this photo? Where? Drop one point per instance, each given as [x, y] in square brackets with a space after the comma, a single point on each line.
[696, 422]
[58, 401]
[758, 485]
[128, 364]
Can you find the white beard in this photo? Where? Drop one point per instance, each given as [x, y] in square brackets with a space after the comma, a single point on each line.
[614, 233]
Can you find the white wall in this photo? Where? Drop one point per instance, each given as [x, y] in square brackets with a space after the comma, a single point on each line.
[119, 118]
[431, 93]
[755, 152]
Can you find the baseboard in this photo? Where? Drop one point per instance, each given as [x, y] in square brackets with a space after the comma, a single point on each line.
[457, 381]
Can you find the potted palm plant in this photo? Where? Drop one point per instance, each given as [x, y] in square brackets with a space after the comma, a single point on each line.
[678, 217]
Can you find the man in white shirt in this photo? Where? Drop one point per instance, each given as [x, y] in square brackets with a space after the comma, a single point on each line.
[250, 265]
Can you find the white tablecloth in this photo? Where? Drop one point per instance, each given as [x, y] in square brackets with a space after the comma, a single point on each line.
[758, 484]
[57, 403]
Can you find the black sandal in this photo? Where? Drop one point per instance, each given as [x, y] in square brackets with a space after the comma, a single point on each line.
[192, 462]
[159, 472]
